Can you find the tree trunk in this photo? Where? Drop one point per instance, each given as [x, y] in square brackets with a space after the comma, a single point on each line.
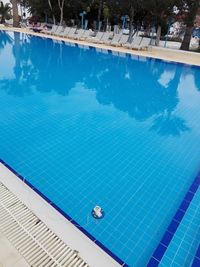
[15, 13]
[99, 13]
[193, 9]
[54, 19]
[187, 37]
[131, 27]
[53, 16]
[158, 35]
[61, 16]
[61, 6]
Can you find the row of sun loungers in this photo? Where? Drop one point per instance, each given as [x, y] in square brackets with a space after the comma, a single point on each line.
[107, 38]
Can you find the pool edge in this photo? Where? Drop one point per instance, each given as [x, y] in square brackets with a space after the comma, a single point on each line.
[65, 215]
[174, 224]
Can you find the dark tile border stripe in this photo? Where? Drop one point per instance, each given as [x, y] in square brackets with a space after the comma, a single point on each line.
[176, 220]
[91, 237]
[196, 261]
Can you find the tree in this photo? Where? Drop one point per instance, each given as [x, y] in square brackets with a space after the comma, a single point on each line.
[61, 7]
[4, 12]
[106, 15]
[131, 8]
[15, 13]
[160, 12]
[190, 8]
[99, 12]
[51, 8]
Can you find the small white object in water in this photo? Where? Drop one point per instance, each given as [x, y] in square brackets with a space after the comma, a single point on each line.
[97, 212]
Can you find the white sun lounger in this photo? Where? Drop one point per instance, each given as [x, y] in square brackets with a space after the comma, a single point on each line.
[71, 33]
[97, 38]
[135, 43]
[115, 40]
[124, 39]
[143, 45]
[66, 31]
[53, 30]
[58, 30]
[86, 35]
[61, 33]
[106, 38]
[78, 34]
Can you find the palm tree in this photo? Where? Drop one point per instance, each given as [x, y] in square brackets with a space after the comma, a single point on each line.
[4, 11]
[15, 13]
[191, 7]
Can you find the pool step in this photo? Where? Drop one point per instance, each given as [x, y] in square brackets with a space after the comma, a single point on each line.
[31, 237]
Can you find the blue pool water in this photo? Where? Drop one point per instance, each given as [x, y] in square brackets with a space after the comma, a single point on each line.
[87, 127]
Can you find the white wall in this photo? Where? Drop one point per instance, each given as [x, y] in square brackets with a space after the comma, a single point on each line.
[7, 1]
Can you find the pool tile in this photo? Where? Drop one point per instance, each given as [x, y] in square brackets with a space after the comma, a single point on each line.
[173, 226]
[184, 205]
[158, 254]
[198, 252]
[179, 215]
[167, 238]
[153, 263]
[193, 188]
[196, 262]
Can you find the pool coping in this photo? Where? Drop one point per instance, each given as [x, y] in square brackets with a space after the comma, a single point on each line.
[91, 250]
[164, 54]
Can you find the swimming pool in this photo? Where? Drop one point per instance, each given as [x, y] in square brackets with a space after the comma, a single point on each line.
[86, 127]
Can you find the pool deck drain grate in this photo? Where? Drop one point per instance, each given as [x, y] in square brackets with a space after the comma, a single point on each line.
[38, 245]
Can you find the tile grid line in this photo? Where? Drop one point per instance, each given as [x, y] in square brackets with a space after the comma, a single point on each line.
[173, 226]
[91, 237]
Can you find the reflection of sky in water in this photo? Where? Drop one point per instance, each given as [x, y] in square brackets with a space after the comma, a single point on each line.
[88, 128]
[7, 62]
[166, 77]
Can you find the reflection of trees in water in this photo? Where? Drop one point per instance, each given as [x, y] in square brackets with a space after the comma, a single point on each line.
[23, 70]
[132, 86]
[136, 90]
[169, 124]
[197, 77]
[5, 38]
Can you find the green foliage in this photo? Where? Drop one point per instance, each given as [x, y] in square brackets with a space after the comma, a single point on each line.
[140, 12]
[4, 12]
